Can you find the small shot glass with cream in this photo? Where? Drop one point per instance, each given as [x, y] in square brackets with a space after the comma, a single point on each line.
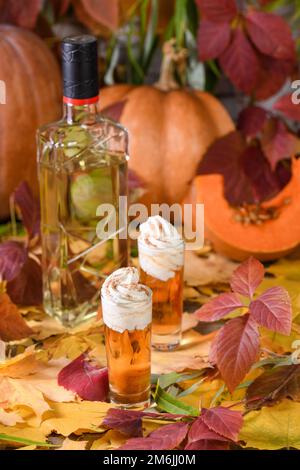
[161, 258]
[127, 315]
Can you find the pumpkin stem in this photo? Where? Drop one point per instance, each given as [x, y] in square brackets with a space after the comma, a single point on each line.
[174, 62]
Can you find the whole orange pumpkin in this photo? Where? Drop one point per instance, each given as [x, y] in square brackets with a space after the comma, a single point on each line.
[33, 98]
[170, 129]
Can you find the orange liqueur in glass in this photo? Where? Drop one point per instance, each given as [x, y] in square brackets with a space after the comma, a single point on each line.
[161, 256]
[127, 309]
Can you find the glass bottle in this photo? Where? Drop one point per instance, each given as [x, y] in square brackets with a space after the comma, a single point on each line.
[82, 164]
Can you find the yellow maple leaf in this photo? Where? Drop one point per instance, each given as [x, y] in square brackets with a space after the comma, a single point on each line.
[109, 441]
[273, 427]
[20, 365]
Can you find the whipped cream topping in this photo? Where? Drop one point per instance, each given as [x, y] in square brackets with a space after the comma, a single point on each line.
[161, 248]
[126, 304]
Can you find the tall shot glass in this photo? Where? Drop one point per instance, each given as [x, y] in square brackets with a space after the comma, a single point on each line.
[161, 269]
[127, 313]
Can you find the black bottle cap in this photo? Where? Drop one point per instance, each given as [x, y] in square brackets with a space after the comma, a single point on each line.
[80, 67]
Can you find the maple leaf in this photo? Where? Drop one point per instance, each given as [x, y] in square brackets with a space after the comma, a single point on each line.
[251, 120]
[271, 34]
[247, 277]
[213, 39]
[240, 63]
[20, 13]
[274, 385]
[237, 347]
[286, 106]
[278, 143]
[12, 258]
[218, 307]
[273, 310]
[167, 437]
[29, 208]
[223, 421]
[89, 381]
[248, 177]
[12, 325]
[218, 11]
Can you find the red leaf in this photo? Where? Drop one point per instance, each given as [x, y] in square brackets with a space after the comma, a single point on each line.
[165, 438]
[213, 38]
[273, 74]
[248, 177]
[218, 307]
[207, 445]
[240, 63]
[89, 381]
[13, 255]
[29, 208]
[247, 277]
[271, 34]
[114, 111]
[237, 349]
[278, 143]
[286, 106]
[200, 431]
[103, 12]
[26, 287]
[273, 310]
[223, 421]
[60, 7]
[251, 120]
[12, 325]
[20, 13]
[218, 11]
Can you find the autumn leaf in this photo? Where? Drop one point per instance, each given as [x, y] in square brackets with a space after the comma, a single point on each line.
[26, 287]
[21, 365]
[251, 120]
[237, 347]
[167, 437]
[88, 380]
[218, 11]
[278, 143]
[223, 421]
[13, 256]
[286, 106]
[218, 307]
[207, 445]
[29, 208]
[12, 325]
[114, 111]
[247, 277]
[274, 385]
[271, 34]
[273, 74]
[9, 418]
[272, 309]
[213, 39]
[20, 13]
[101, 12]
[199, 431]
[240, 63]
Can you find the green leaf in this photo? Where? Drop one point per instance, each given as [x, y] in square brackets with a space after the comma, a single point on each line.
[180, 21]
[166, 380]
[167, 402]
[150, 37]
[22, 440]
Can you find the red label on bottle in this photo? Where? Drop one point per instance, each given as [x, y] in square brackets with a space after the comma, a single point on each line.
[81, 102]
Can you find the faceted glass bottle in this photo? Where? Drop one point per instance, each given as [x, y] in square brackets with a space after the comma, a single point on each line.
[82, 162]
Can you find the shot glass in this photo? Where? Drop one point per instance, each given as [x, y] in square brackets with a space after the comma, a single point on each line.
[127, 313]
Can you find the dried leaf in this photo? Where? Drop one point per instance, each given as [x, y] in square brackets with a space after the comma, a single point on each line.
[88, 380]
[9, 419]
[29, 208]
[219, 307]
[213, 269]
[223, 421]
[110, 440]
[274, 385]
[20, 365]
[272, 309]
[165, 438]
[251, 120]
[271, 34]
[237, 349]
[247, 277]
[218, 11]
[70, 444]
[12, 325]
[240, 63]
[213, 38]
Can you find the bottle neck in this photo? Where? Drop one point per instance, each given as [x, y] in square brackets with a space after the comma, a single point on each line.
[80, 113]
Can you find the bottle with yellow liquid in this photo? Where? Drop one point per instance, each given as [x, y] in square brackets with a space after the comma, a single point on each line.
[82, 163]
